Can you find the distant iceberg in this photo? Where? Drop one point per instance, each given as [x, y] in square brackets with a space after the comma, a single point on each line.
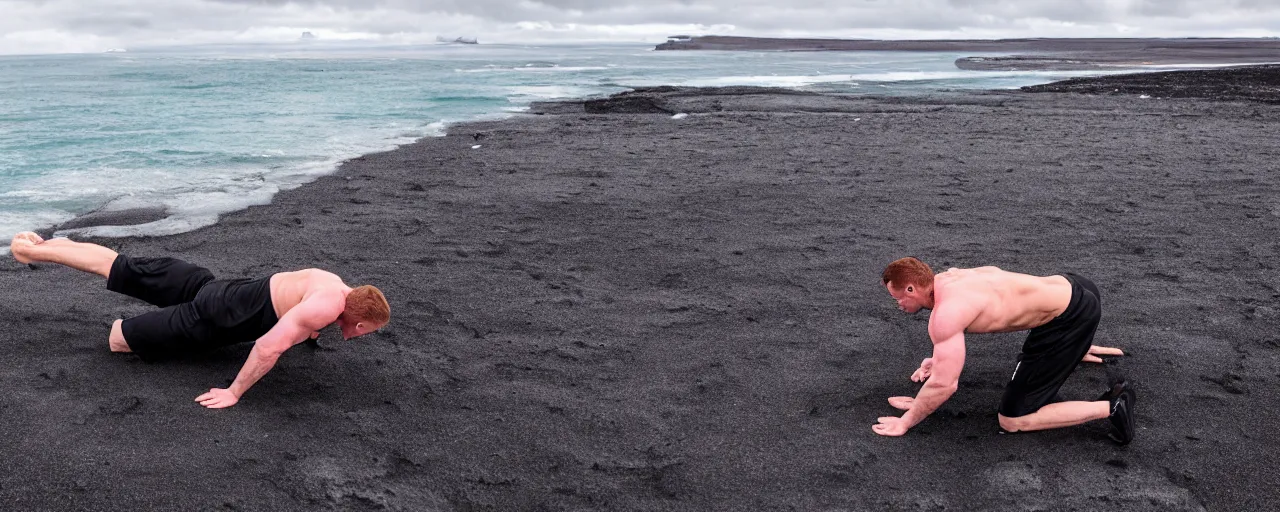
[115, 50]
[307, 36]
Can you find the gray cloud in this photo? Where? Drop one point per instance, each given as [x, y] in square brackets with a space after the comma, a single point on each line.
[109, 23]
[36, 26]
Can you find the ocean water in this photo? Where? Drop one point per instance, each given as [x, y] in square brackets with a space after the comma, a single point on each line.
[202, 131]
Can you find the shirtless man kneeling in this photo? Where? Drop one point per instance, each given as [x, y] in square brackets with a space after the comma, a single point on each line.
[199, 312]
[1061, 312]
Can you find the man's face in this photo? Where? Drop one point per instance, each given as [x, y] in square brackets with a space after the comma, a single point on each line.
[354, 329]
[908, 298]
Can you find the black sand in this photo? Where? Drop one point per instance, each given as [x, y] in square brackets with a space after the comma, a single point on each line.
[631, 312]
[1245, 83]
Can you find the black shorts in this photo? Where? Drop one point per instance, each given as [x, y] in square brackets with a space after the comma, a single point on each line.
[198, 312]
[1052, 351]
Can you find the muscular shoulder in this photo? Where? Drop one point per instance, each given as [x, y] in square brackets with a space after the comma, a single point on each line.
[957, 302]
[320, 308]
[951, 318]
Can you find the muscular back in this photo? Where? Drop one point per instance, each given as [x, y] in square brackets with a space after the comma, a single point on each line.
[288, 289]
[1000, 301]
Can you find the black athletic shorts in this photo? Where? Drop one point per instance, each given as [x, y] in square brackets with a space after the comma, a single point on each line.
[198, 312]
[1052, 351]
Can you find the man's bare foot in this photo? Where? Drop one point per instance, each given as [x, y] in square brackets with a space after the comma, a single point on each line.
[21, 243]
[116, 338]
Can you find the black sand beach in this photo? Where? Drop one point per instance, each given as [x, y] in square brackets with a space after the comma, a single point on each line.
[626, 311]
[1244, 83]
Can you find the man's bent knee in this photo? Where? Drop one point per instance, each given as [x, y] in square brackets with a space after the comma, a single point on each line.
[1012, 424]
[117, 338]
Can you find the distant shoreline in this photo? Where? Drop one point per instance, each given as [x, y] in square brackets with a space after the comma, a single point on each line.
[1023, 54]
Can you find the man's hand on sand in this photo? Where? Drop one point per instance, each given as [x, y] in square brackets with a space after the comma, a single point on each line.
[218, 398]
[902, 402]
[1095, 353]
[926, 369]
[891, 426]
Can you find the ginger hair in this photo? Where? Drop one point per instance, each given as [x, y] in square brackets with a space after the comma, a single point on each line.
[908, 271]
[367, 304]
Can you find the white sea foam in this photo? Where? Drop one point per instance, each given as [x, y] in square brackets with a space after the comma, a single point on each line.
[13, 222]
[193, 200]
[188, 211]
[527, 92]
[200, 203]
[436, 129]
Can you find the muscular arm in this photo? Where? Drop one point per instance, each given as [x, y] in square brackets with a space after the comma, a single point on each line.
[310, 315]
[948, 362]
[946, 329]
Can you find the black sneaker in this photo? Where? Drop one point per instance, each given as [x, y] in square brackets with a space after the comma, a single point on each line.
[1122, 398]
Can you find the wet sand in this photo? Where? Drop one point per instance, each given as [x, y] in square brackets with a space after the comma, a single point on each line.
[626, 311]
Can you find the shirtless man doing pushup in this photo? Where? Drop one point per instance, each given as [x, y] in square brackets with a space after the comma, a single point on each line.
[1061, 312]
[199, 312]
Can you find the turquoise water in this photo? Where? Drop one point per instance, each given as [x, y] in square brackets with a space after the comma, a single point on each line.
[208, 130]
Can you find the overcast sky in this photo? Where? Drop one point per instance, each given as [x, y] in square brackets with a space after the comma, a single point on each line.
[57, 26]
